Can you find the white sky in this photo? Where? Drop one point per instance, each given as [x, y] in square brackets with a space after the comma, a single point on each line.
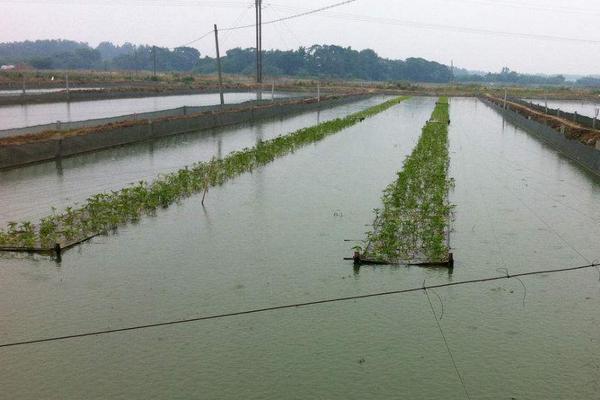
[172, 23]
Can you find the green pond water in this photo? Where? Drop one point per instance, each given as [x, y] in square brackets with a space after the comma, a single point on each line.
[31, 192]
[276, 236]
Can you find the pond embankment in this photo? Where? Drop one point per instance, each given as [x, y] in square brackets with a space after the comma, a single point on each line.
[108, 92]
[43, 146]
[573, 140]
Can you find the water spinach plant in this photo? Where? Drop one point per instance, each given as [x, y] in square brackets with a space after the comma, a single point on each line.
[106, 211]
[413, 223]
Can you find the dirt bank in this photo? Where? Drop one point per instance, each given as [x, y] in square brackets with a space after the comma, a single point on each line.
[20, 150]
[568, 128]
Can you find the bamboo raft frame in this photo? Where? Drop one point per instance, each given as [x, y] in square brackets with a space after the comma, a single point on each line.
[358, 260]
[56, 251]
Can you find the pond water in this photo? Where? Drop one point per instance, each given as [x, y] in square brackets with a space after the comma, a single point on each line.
[586, 108]
[276, 236]
[20, 116]
[41, 91]
[30, 192]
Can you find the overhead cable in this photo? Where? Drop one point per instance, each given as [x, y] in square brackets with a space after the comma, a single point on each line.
[289, 306]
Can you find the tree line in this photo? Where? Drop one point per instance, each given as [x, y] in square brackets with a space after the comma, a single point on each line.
[328, 61]
[508, 76]
[332, 62]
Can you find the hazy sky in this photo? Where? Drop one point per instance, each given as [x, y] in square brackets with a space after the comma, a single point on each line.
[393, 28]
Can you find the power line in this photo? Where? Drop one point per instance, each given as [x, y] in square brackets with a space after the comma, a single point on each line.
[302, 14]
[459, 29]
[444, 27]
[135, 3]
[378, 20]
[237, 21]
[286, 25]
[288, 306]
[552, 9]
[197, 39]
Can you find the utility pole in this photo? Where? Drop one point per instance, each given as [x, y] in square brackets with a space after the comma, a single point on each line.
[595, 118]
[23, 88]
[258, 4]
[154, 60]
[260, 53]
[505, 97]
[318, 91]
[67, 86]
[219, 66]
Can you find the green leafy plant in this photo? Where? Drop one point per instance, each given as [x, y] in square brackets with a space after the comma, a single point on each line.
[413, 223]
[106, 211]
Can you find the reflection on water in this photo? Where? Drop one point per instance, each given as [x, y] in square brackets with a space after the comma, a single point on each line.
[30, 192]
[271, 238]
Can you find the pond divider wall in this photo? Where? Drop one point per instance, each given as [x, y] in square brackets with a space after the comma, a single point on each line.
[586, 156]
[106, 91]
[107, 136]
[583, 120]
[62, 126]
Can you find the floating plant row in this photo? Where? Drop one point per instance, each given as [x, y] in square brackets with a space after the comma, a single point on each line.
[413, 223]
[106, 211]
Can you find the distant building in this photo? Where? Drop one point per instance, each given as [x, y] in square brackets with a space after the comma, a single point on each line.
[7, 67]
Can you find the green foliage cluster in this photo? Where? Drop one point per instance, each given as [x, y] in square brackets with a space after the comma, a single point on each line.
[142, 58]
[589, 81]
[318, 60]
[329, 61]
[507, 76]
[15, 52]
[66, 54]
[415, 216]
[332, 62]
[51, 54]
[106, 211]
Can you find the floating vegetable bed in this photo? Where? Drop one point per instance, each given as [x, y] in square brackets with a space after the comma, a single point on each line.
[106, 211]
[413, 225]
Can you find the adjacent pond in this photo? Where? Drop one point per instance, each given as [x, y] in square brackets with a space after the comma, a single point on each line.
[276, 236]
[41, 91]
[586, 108]
[38, 114]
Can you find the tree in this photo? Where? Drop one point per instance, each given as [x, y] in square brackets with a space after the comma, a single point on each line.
[109, 51]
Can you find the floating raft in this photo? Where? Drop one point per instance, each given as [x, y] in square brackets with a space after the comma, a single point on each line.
[56, 250]
[413, 228]
[361, 260]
